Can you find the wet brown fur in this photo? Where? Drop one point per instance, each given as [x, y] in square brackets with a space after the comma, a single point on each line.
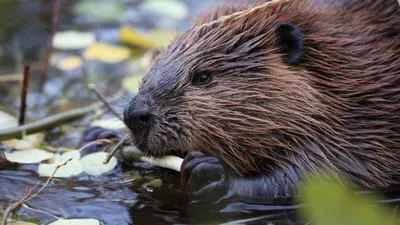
[338, 108]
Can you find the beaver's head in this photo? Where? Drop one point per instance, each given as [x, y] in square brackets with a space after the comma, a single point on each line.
[235, 90]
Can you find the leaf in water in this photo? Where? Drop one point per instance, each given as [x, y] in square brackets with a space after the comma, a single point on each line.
[72, 168]
[331, 204]
[109, 123]
[153, 183]
[158, 39]
[70, 63]
[76, 222]
[28, 142]
[73, 40]
[93, 163]
[169, 8]
[131, 83]
[104, 11]
[28, 156]
[7, 121]
[13, 222]
[106, 53]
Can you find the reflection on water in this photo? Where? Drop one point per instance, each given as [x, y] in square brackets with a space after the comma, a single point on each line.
[122, 198]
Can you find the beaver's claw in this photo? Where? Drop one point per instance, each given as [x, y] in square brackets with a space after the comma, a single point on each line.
[94, 133]
[203, 177]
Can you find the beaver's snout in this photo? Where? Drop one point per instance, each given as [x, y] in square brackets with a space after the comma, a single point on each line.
[137, 114]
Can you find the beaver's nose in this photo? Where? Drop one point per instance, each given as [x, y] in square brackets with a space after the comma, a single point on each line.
[137, 114]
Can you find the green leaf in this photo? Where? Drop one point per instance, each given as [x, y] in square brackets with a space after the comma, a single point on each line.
[169, 8]
[104, 11]
[93, 163]
[73, 40]
[331, 204]
[72, 168]
[7, 121]
[28, 156]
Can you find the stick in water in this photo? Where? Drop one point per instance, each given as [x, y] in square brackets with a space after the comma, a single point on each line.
[24, 91]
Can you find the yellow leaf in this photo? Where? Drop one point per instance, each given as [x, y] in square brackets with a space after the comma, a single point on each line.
[131, 83]
[154, 39]
[106, 53]
[70, 63]
[28, 142]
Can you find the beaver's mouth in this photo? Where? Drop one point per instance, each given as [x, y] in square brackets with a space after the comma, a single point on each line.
[155, 150]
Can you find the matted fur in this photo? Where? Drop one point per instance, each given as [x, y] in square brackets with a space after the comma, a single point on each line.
[337, 109]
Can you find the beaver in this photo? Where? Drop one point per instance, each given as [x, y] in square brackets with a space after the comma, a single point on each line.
[261, 100]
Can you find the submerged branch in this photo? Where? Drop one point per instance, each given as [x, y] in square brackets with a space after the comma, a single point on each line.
[48, 122]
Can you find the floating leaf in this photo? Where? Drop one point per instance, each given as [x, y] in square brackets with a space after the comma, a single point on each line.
[28, 142]
[28, 156]
[331, 204]
[104, 11]
[153, 183]
[169, 8]
[70, 63]
[159, 39]
[72, 168]
[74, 40]
[93, 163]
[131, 83]
[13, 222]
[109, 123]
[76, 222]
[106, 53]
[7, 121]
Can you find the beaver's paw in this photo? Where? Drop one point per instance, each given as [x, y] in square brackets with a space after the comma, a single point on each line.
[94, 133]
[203, 177]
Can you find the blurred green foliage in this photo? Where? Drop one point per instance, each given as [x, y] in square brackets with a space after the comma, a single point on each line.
[329, 203]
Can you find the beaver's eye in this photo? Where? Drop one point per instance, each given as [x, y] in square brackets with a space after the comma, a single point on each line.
[202, 78]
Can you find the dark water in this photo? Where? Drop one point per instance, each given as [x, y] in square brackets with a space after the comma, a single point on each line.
[125, 195]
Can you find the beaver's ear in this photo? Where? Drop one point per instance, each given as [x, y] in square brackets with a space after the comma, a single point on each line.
[289, 41]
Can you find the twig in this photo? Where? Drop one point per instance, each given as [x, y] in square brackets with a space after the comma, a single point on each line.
[106, 103]
[239, 14]
[96, 142]
[49, 179]
[24, 90]
[48, 122]
[114, 150]
[28, 196]
[17, 204]
[45, 68]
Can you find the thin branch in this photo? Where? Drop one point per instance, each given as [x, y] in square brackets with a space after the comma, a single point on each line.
[14, 206]
[49, 179]
[106, 103]
[24, 90]
[10, 78]
[116, 147]
[239, 14]
[48, 122]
